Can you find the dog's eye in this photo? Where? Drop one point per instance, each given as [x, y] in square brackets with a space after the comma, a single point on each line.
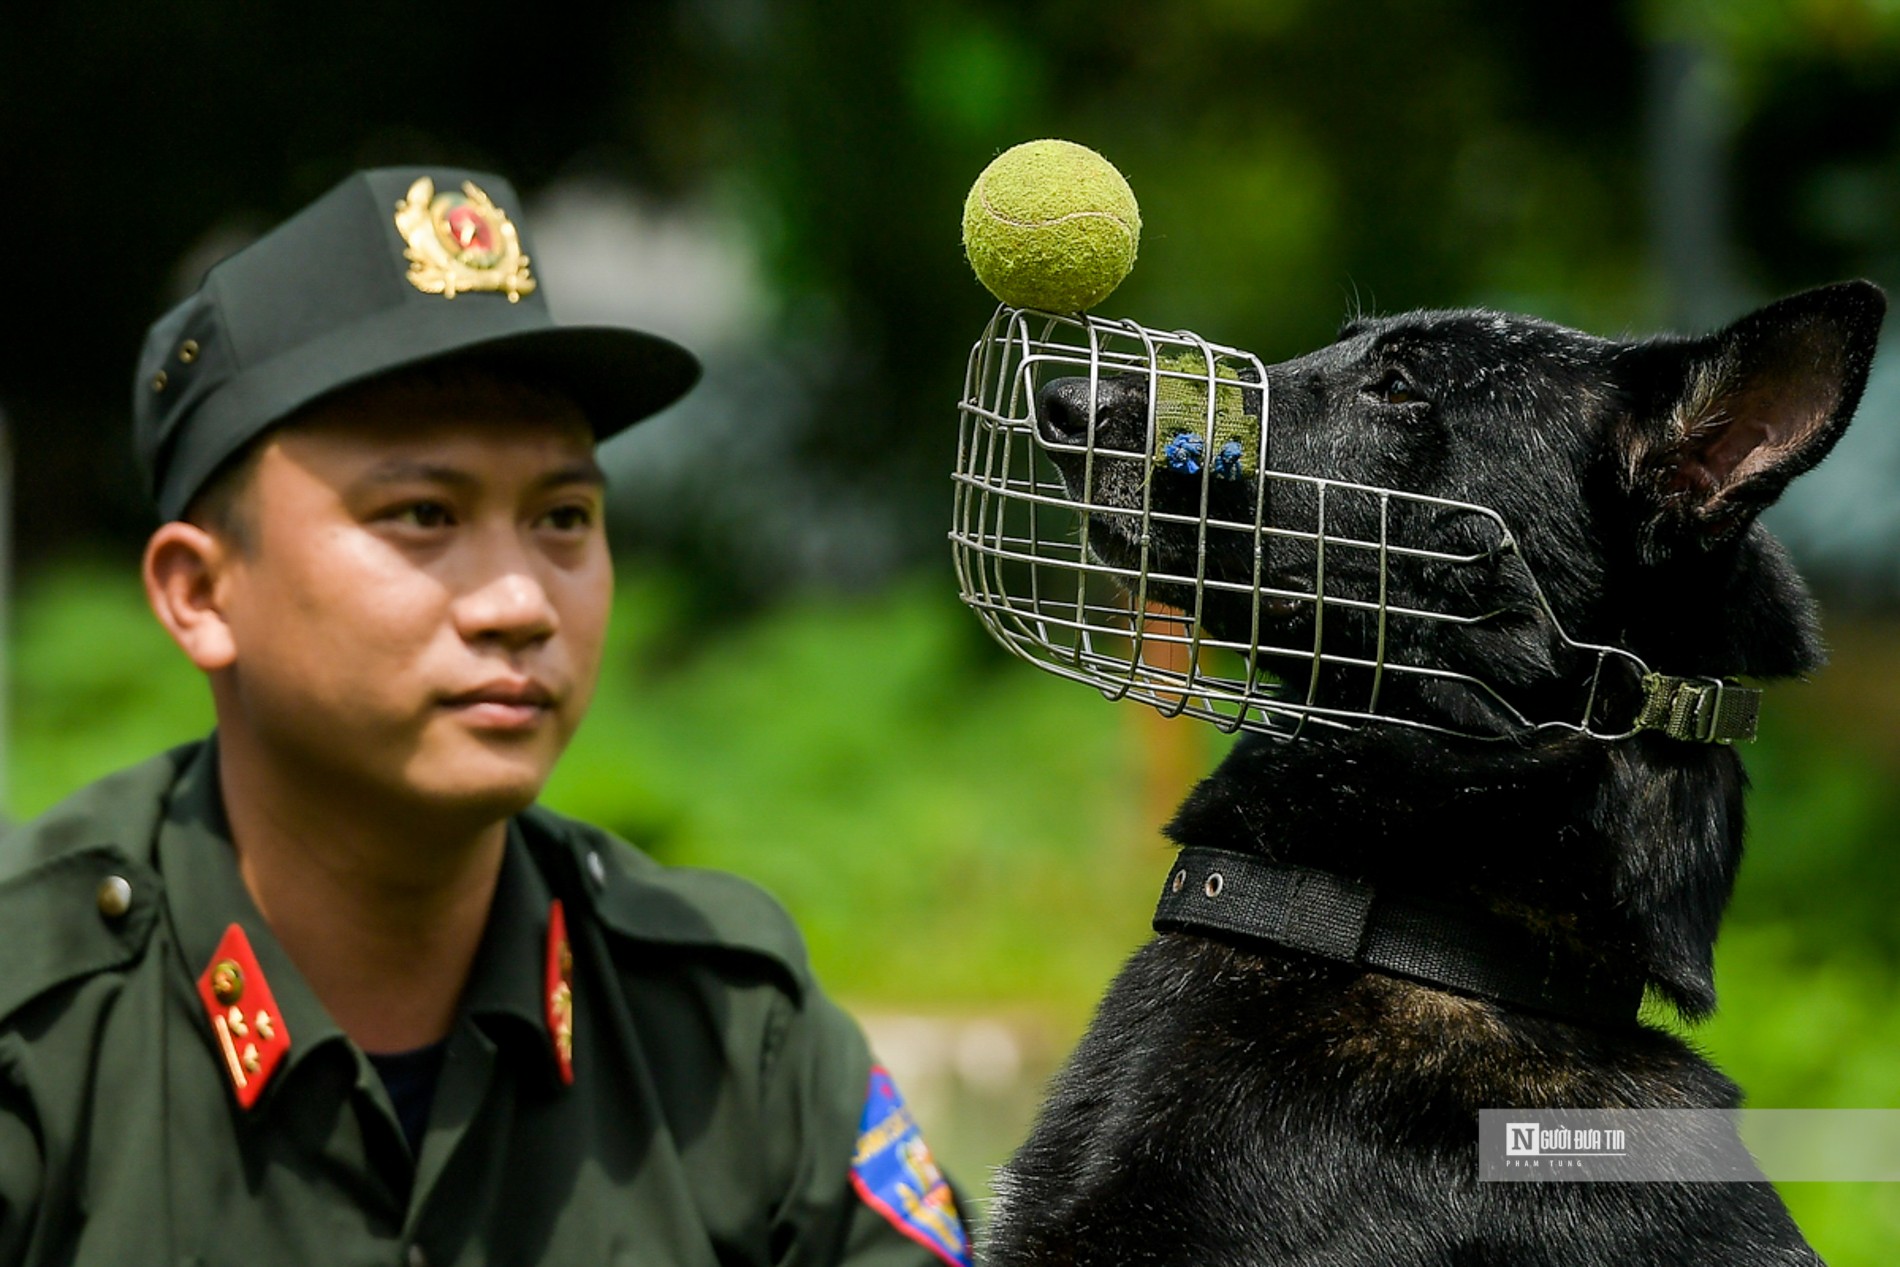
[1394, 388]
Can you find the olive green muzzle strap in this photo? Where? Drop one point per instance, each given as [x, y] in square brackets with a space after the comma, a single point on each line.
[1698, 710]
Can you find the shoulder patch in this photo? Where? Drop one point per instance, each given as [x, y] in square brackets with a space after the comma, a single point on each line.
[896, 1176]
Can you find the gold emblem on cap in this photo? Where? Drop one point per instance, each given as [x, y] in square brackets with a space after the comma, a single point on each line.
[460, 242]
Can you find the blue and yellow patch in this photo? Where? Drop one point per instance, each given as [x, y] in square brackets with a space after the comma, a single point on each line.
[895, 1175]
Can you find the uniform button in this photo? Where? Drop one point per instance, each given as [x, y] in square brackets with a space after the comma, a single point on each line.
[115, 896]
[595, 867]
[188, 351]
[416, 1258]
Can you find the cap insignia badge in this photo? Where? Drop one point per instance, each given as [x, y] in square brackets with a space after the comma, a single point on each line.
[460, 241]
[560, 991]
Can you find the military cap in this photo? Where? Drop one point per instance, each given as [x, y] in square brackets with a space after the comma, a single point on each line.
[392, 268]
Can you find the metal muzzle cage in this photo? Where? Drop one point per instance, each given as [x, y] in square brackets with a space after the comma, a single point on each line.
[1055, 540]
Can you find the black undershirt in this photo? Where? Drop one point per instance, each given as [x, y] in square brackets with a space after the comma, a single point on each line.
[410, 1078]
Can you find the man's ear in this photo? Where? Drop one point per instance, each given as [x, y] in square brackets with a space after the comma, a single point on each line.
[185, 570]
[1719, 425]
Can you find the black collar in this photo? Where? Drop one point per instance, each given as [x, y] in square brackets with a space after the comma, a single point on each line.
[1215, 891]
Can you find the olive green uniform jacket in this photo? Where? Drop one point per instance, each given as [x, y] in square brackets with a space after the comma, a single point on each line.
[712, 1115]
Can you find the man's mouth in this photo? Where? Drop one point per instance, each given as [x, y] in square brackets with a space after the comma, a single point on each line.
[507, 704]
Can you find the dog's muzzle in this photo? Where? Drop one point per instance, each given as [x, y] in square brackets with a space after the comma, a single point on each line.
[1120, 520]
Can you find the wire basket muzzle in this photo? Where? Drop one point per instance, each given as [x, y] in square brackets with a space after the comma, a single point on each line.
[1120, 520]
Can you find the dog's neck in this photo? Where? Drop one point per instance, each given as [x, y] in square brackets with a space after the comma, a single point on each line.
[1395, 806]
[1619, 853]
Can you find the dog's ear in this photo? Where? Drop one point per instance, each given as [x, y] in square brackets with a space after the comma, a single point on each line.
[1717, 426]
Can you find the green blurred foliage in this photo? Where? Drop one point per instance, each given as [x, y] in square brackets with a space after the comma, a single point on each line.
[1766, 31]
[96, 684]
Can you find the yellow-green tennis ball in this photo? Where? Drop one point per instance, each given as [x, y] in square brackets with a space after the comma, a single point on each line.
[1051, 225]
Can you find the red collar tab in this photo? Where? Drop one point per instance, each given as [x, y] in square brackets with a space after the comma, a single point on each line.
[250, 1032]
[560, 991]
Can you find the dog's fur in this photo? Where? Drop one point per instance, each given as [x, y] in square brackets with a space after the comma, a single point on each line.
[1240, 1105]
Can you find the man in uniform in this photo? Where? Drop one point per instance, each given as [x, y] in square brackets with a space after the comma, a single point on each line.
[327, 987]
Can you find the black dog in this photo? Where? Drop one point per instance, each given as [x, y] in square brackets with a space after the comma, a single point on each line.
[1241, 1102]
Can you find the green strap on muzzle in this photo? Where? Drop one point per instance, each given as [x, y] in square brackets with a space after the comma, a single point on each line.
[1699, 709]
[1181, 432]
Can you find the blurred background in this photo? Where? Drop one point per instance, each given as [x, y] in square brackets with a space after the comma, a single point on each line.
[794, 692]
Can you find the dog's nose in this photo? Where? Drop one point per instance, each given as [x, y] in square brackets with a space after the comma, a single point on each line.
[1063, 409]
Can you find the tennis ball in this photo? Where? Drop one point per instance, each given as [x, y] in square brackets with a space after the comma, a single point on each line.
[1051, 225]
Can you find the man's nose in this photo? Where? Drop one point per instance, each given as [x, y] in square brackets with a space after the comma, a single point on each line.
[510, 607]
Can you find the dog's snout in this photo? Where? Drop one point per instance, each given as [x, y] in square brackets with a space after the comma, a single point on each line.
[1113, 420]
[1064, 408]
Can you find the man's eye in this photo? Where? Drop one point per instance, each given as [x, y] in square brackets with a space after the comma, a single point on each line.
[423, 515]
[570, 518]
[1396, 389]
